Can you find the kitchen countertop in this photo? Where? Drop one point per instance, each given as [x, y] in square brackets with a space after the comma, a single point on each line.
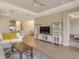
[54, 51]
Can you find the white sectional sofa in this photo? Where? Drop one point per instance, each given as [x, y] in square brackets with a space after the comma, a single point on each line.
[6, 43]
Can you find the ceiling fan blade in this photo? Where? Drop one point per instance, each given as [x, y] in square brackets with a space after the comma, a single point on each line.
[37, 3]
[40, 4]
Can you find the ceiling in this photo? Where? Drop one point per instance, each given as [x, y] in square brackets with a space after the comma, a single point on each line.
[15, 14]
[24, 9]
[27, 4]
[74, 15]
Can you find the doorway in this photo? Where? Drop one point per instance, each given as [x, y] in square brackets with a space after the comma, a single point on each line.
[74, 29]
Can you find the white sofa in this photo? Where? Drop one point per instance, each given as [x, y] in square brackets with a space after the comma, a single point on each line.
[7, 44]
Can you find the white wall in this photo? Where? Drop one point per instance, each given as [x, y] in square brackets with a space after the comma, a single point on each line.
[4, 24]
[74, 26]
[48, 20]
[18, 25]
[28, 26]
[57, 17]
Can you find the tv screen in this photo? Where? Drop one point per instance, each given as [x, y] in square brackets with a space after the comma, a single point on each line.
[45, 30]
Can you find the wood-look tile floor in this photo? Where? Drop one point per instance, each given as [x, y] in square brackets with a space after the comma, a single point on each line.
[74, 42]
[58, 52]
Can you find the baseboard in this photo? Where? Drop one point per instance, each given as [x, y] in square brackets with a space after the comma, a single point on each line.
[65, 44]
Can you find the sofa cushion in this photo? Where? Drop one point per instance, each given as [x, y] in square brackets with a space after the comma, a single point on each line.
[8, 36]
[1, 38]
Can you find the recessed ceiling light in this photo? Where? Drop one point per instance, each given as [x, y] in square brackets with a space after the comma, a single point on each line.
[62, 1]
[35, 4]
[7, 14]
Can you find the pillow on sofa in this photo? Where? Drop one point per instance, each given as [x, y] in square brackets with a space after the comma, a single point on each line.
[8, 36]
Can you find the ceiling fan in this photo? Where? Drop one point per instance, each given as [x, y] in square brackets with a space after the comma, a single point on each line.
[37, 3]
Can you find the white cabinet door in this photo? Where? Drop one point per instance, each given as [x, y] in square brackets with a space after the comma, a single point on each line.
[40, 37]
[60, 42]
[49, 38]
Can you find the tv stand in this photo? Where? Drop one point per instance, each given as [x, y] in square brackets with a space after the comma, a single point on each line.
[45, 37]
[50, 38]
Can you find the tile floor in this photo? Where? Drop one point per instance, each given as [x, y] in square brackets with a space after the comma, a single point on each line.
[74, 42]
[47, 50]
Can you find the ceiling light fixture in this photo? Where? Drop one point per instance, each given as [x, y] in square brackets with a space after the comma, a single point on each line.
[63, 2]
[37, 3]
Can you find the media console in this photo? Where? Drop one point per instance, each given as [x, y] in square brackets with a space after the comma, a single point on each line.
[45, 37]
[52, 33]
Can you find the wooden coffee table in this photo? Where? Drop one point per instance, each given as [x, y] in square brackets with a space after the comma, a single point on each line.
[21, 48]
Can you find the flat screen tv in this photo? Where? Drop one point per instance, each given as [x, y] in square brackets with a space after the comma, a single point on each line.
[45, 30]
